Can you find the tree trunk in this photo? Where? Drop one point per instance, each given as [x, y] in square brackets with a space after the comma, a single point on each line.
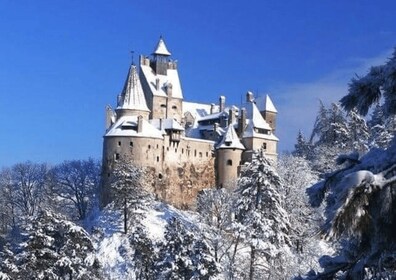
[125, 216]
[252, 259]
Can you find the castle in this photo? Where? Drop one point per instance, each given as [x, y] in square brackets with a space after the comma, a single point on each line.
[185, 146]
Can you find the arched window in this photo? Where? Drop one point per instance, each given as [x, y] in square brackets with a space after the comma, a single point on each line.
[229, 162]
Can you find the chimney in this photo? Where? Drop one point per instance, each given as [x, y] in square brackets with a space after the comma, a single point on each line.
[249, 97]
[231, 116]
[222, 103]
[242, 122]
[215, 127]
[169, 89]
[212, 108]
[140, 124]
[157, 84]
[119, 100]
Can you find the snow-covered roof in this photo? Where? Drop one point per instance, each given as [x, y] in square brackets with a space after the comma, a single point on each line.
[161, 48]
[198, 110]
[132, 96]
[250, 132]
[213, 116]
[172, 77]
[264, 103]
[128, 126]
[166, 124]
[255, 116]
[230, 140]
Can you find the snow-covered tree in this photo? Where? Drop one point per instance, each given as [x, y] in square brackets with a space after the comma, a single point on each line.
[185, 255]
[358, 132]
[260, 210]
[365, 92]
[144, 254]
[129, 191]
[75, 183]
[382, 128]
[302, 148]
[53, 248]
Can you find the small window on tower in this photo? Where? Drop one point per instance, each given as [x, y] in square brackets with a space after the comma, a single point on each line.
[117, 156]
[174, 107]
[119, 143]
[229, 162]
[131, 144]
[163, 106]
[265, 146]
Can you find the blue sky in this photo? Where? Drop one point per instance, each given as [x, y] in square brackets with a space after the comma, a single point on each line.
[62, 61]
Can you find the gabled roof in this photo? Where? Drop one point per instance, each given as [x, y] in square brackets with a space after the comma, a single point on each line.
[165, 124]
[128, 126]
[161, 48]
[171, 77]
[132, 96]
[230, 140]
[250, 132]
[255, 116]
[264, 103]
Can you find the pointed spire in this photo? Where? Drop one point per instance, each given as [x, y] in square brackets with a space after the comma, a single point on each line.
[268, 105]
[132, 96]
[161, 48]
[230, 140]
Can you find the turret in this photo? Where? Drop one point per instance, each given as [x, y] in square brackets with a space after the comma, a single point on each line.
[131, 101]
[228, 158]
[269, 112]
[160, 58]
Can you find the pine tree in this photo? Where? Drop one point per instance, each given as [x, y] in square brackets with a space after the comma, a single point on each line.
[184, 255]
[55, 249]
[259, 209]
[302, 148]
[129, 191]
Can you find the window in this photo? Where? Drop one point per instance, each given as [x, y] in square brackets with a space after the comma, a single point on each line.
[174, 107]
[229, 162]
[182, 151]
[265, 146]
[163, 106]
[119, 143]
[149, 146]
[200, 154]
[117, 156]
[195, 153]
[207, 154]
[160, 176]
[131, 144]
[157, 159]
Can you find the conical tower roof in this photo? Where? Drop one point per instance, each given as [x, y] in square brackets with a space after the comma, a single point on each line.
[230, 140]
[132, 96]
[161, 48]
[268, 105]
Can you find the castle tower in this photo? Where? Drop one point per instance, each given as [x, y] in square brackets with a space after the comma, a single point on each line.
[161, 84]
[131, 101]
[269, 112]
[258, 133]
[228, 158]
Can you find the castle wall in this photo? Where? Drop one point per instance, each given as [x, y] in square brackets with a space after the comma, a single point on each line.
[177, 170]
[255, 143]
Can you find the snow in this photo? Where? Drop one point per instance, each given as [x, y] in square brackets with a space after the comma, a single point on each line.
[161, 48]
[264, 103]
[122, 125]
[164, 124]
[171, 77]
[132, 96]
[255, 116]
[230, 140]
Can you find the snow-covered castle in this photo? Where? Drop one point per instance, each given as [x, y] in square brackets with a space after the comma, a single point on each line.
[185, 146]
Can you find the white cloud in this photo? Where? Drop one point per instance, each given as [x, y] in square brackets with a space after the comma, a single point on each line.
[298, 104]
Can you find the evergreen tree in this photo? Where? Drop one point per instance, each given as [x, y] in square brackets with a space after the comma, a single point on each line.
[184, 255]
[129, 191]
[54, 249]
[259, 209]
[302, 148]
[359, 132]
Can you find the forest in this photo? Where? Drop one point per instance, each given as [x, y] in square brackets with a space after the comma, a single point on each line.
[326, 210]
